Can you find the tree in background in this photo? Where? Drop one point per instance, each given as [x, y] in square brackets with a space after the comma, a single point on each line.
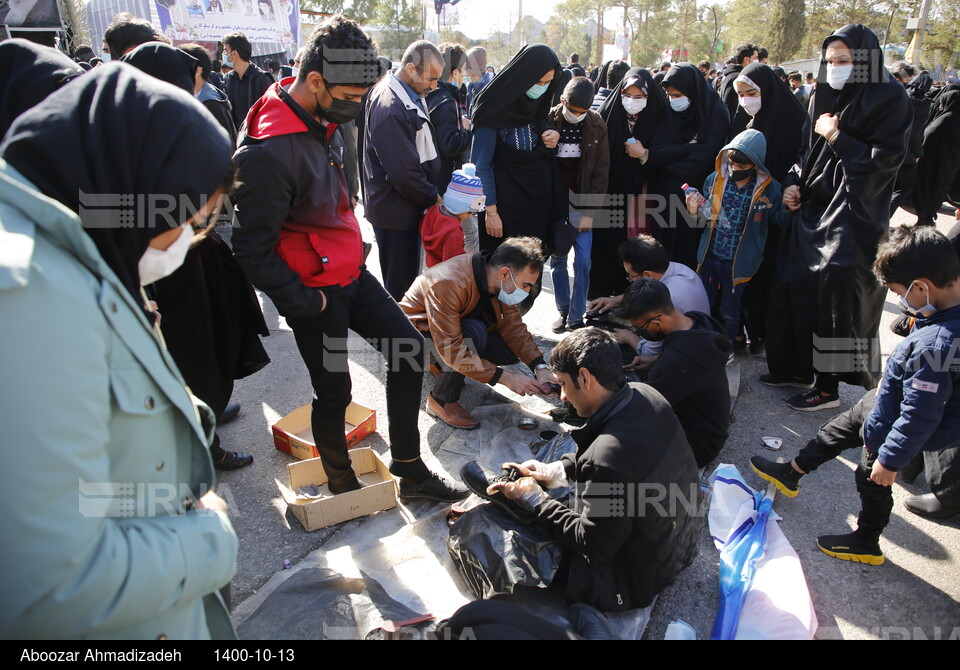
[787, 29]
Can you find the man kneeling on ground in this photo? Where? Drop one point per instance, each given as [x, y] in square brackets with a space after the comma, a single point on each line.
[467, 306]
[634, 523]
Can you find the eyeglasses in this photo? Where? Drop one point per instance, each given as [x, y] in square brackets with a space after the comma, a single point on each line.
[648, 321]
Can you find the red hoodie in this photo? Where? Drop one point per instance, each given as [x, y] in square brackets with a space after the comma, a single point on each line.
[442, 236]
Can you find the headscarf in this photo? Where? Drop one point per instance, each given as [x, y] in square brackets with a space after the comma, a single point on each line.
[29, 73]
[867, 68]
[920, 85]
[780, 119]
[601, 81]
[166, 63]
[503, 103]
[695, 120]
[118, 131]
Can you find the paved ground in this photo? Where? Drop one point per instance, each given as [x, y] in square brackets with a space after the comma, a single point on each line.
[915, 594]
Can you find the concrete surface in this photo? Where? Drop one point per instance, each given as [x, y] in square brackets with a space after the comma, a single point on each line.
[915, 594]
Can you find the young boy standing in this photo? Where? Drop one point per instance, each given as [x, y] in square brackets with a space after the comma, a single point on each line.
[441, 228]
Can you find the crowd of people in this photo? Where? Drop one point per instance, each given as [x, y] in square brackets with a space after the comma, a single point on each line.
[706, 213]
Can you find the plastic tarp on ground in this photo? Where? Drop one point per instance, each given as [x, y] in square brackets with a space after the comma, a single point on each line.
[764, 594]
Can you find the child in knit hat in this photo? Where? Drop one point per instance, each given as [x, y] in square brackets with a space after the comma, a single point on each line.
[441, 228]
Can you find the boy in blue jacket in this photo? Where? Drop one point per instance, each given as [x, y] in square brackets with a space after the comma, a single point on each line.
[917, 405]
[742, 199]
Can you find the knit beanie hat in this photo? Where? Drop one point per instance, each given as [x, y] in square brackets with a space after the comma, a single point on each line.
[465, 192]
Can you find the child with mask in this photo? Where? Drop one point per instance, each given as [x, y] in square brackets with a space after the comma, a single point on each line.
[441, 228]
[742, 199]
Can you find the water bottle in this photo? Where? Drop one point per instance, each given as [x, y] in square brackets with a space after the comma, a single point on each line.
[688, 189]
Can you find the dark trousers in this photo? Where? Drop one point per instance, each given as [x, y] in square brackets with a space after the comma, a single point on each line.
[399, 258]
[365, 308]
[488, 345]
[845, 431]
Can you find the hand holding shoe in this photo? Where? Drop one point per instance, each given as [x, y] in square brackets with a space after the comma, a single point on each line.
[525, 491]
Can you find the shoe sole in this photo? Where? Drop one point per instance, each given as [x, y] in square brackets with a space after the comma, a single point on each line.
[794, 385]
[866, 559]
[827, 405]
[521, 516]
[790, 493]
[439, 418]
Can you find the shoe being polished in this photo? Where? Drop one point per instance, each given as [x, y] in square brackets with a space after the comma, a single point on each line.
[478, 480]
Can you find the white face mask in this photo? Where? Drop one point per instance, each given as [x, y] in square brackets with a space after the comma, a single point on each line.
[838, 75]
[633, 106]
[156, 264]
[750, 105]
[680, 104]
[571, 117]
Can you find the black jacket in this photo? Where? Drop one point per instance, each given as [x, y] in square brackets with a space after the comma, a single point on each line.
[691, 374]
[400, 159]
[728, 92]
[216, 101]
[453, 139]
[243, 92]
[635, 520]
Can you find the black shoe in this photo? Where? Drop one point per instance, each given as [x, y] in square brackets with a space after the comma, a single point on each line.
[589, 623]
[433, 487]
[781, 475]
[231, 460]
[566, 413]
[770, 380]
[229, 413]
[756, 347]
[739, 344]
[812, 401]
[575, 325]
[346, 486]
[477, 480]
[851, 547]
[930, 506]
[560, 325]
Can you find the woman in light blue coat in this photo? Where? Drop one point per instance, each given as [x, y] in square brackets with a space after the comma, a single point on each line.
[108, 531]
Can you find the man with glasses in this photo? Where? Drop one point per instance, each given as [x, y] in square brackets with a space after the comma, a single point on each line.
[691, 370]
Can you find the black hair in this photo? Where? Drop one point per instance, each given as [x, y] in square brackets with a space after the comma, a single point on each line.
[742, 51]
[645, 296]
[477, 59]
[84, 53]
[518, 254]
[574, 58]
[215, 65]
[901, 68]
[616, 72]
[795, 76]
[202, 56]
[762, 53]
[291, 62]
[738, 157]
[579, 92]
[593, 349]
[127, 32]
[704, 64]
[238, 42]
[342, 53]
[644, 253]
[666, 66]
[454, 58]
[272, 64]
[909, 252]
[419, 53]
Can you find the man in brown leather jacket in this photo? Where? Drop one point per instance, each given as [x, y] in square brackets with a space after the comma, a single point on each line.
[467, 306]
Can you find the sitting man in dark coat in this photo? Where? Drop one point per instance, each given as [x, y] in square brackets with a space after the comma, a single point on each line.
[633, 526]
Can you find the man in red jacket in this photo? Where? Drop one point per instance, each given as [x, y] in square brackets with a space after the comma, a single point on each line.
[299, 242]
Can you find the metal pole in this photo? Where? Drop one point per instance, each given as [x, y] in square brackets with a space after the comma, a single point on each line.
[924, 12]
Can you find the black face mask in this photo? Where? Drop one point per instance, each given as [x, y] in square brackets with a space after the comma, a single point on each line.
[341, 111]
[737, 175]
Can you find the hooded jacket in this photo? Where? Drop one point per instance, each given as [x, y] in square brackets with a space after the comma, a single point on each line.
[216, 101]
[766, 207]
[691, 374]
[453, 140]
[297, 230]
[632, 458]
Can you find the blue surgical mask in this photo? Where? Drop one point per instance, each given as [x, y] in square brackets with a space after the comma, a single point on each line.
[924, 312]
[515, 298]
[227, 61]
[680, 104]
[535, 91]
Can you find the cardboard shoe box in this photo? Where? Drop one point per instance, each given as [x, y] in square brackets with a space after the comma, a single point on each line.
[379, 492]
[292, 434]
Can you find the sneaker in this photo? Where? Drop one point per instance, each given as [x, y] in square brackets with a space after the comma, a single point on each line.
[812, 401]
[851, 547]
[477, 480]
[770, 380]
[781, 475]
[560, 325]
[929, 505]
[433, 487]
[452, 413]
[575, 325]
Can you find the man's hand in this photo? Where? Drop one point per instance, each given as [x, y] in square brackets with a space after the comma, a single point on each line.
[152, 307]
[549, 475]
[467, 123]
[586, 224]
[627, 337]
[636, 150]
[544, 376]
[604, 304]
[827, 125]
[525, 491]
[791, 198]
[494, 224]
[880, 475]
[641, 363]
[324, 296]
[522, 384]
[212, 501]
[550, 138]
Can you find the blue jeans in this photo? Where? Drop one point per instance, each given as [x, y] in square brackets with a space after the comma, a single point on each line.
[717, 276]
[574, 306]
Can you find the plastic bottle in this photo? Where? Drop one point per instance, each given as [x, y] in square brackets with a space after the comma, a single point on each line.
[688, 189]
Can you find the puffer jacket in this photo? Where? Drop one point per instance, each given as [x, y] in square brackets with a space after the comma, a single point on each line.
[106, 452]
